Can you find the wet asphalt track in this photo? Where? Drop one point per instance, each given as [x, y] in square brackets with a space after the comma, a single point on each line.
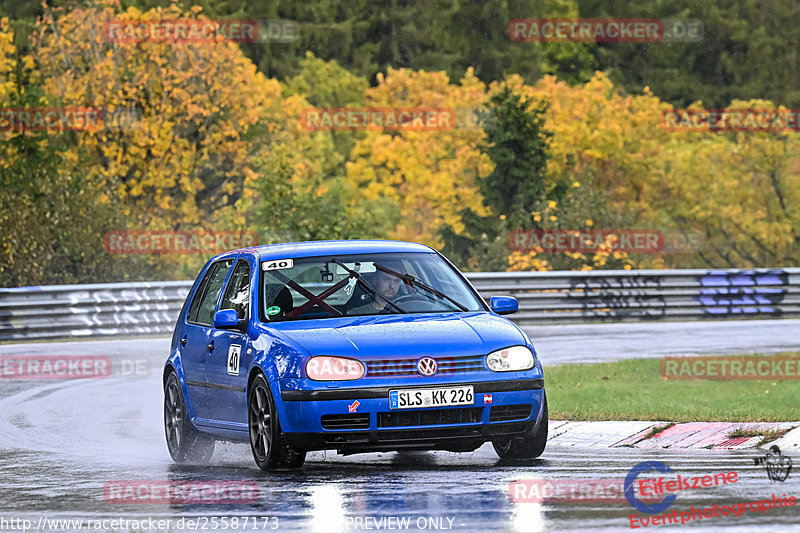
[61, 442]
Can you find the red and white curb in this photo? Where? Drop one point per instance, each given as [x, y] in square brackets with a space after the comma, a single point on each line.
[639, 434]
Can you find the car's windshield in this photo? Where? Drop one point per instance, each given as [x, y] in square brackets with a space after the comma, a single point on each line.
[360, 285]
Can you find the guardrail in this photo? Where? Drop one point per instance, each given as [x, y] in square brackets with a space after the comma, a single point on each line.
[150, 308]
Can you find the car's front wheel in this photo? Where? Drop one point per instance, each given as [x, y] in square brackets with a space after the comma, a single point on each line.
[530, 446]
[185, 444]
[267, 441]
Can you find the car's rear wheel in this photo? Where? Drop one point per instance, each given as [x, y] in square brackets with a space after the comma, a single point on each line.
[185, 444]
[530, 446]
[267, 441]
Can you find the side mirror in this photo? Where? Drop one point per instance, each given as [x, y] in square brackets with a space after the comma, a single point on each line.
[226, 319]
[504, 305]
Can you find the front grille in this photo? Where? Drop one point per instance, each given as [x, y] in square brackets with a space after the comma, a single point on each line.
[430, 417]
[504, 413]
[389, 439]
[345, 421]
[347, 438]
[408, 366]
[422, 435]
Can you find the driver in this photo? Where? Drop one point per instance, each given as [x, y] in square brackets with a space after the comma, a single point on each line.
[387, 286]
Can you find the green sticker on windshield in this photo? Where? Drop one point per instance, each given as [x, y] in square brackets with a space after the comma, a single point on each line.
[274, 310]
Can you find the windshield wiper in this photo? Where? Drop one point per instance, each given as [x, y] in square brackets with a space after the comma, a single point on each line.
[414, 281]
[370, 288]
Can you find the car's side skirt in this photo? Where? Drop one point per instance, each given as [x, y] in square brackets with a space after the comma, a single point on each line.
[214, 386]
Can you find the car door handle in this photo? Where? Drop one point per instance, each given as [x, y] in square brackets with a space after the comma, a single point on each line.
[183, 341]
[211, 346]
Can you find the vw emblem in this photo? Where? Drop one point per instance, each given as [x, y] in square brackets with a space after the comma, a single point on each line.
[427, 366]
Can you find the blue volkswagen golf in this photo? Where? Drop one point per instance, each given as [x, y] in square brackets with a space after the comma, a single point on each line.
[354, 346]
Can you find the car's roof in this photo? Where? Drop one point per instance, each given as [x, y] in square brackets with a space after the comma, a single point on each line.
[315, 248]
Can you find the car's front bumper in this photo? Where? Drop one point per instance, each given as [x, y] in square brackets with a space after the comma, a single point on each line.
[359, 419]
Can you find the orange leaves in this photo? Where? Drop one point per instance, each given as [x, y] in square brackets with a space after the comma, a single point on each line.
[431, 175]
[197, 102]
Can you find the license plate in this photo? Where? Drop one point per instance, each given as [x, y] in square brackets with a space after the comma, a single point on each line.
[444, 397]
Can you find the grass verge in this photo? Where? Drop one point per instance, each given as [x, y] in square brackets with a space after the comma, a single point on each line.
[767, 435]
[634, 390]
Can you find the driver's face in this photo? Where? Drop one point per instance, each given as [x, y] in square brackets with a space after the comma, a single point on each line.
[387, 285]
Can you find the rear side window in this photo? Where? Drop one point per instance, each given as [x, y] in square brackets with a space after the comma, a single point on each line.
[205, 299]
[237, 295]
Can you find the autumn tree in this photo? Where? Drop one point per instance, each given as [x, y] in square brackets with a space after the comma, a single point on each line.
[201, 114]
[430, 175]
[49, 218]
[516, 142]
[742, 189]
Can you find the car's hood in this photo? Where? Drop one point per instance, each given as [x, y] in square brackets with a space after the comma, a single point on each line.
[404, 335]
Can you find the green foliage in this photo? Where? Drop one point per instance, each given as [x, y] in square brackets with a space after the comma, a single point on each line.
[749, 50]
[290, 215]
[518, 146]
[314, 209]
[327, 84]
[369, 36]
[50, 220]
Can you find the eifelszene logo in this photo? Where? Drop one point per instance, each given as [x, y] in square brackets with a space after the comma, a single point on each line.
[637, 503]
[775, 463]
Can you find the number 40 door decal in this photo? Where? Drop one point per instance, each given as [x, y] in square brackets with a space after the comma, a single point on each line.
[234, 353]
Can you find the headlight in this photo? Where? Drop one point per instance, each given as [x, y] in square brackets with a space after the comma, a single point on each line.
[510, 359]
[327, 368]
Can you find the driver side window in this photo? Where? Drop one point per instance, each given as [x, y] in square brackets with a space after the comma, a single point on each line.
[237, 295]
[202, 309]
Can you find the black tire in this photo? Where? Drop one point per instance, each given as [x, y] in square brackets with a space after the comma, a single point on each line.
[529, 446]
[267, 441]
[185, 444]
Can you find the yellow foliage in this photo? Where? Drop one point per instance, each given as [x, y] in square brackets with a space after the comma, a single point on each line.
[189, 108]
[431, 175]
[595, 127]
[521, 261]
